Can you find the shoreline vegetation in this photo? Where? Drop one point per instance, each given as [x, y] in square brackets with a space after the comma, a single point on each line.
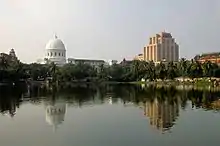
[182, 74]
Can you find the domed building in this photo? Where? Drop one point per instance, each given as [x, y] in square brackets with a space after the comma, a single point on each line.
[56, 51]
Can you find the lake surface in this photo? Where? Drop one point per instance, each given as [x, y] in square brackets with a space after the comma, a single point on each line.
[108, 116]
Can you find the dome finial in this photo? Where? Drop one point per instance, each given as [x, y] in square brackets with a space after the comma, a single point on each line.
[55, 36]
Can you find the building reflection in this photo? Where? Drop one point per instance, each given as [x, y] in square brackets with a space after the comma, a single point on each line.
[55, 113]
[162, 114]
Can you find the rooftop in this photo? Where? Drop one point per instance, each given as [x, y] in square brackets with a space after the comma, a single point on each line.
[84, 60]
[211, 55]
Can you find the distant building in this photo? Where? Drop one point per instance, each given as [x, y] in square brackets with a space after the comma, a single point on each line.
[161, 47]
[111, 62]
[95, 63]
[125, 62]
[41, 61]
[166, 63]
[139, 57]
[55, 51]
[212, 57]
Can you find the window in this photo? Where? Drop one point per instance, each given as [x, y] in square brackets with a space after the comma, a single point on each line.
[62, 54]
[55, 54]
[51, 53]
[48, 54]
[59, 54]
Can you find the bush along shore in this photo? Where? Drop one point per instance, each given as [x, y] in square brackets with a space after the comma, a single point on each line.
[184, 71]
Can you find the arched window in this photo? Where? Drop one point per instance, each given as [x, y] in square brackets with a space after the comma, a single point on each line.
[59, 54]
[55, 54]
[62, 54]
[48, 54]
[51, 53]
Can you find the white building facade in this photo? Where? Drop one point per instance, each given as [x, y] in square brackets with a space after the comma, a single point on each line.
[94, 63]
[56, 51]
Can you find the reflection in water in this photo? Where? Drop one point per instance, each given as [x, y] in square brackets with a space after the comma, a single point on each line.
[161, 106]
[162, 115]
[55, 114]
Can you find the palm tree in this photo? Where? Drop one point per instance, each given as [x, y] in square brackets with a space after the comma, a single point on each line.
[183, 67]
[151, 71]
[137, 68]
[171, 71]
[208, 69]
[162, 72]
[195, 69]
[53, 71]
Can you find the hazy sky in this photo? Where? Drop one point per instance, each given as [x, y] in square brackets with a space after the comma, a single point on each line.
[107, 29]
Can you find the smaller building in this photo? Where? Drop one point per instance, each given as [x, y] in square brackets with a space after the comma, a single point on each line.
[139, 57]
[112, 62]
[95, 63]
[212, 57]
[166, 62]
[125, 62]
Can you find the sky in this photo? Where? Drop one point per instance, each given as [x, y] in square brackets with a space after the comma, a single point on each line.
[107, 29]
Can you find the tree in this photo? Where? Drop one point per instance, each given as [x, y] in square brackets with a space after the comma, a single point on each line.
[183, 67]
[116, 73]
[139, 69]
[103, 72]
[171, 71]
[195, 69]
[4, 63]
[161, 71]
[151, 71]
[53, 71]
[208, 69]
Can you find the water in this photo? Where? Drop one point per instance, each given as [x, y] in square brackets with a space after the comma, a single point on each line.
[108, 115]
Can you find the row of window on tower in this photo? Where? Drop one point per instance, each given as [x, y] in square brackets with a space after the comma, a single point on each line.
[55, 54]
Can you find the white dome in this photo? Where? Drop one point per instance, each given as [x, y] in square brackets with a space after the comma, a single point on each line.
[56, 51]
[56, 44]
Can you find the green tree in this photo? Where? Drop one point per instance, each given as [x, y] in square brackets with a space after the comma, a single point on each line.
[183, 67]
[151, 71]
[161, 71]
[208, 69]
[195, 69]
[53, 71]
[4, 63]
[171, 71]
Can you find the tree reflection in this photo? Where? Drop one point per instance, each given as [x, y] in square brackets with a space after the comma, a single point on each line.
[160, 105]
[10, 99]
